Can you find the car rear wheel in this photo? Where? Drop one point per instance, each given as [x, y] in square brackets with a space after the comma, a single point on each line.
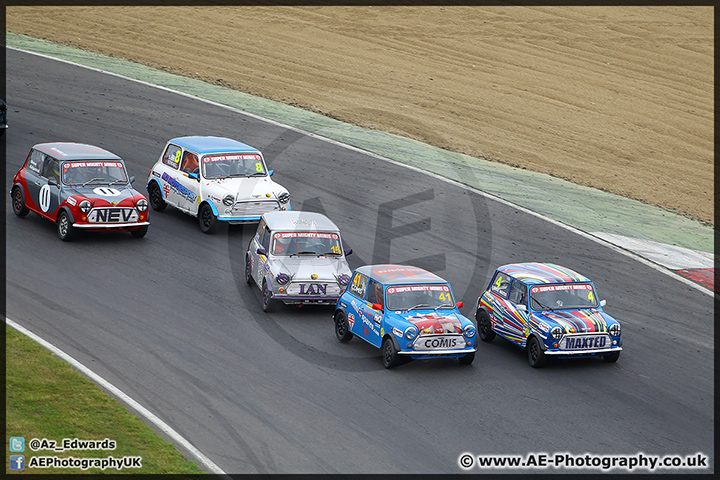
[613, 357]
[266, 297]
[139, 232]
[208, 220]
[467, 359]
[389, 353]
[342, 329]
[536, 356]
[18, 200]
[484, 327]
[156, 200]
[65, 230]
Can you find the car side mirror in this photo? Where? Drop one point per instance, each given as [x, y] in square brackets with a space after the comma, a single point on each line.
[132, 179]
[261, 251]
[194, 176]
[270, 173]
[377, 306]
[52, 181]
[348, 252]
[460, 304]
[603, 303]
[521, 307]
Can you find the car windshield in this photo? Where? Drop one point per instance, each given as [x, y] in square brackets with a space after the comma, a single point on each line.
[233, 165]
[411, 297]
[563, 295]
[94, 173]
[306, 243]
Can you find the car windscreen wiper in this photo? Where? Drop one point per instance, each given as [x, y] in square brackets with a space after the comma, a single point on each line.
[444, 305]
[419, 305]
[93, 180]
[544, 307]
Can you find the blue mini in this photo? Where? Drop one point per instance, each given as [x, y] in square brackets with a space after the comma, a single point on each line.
[407, 312]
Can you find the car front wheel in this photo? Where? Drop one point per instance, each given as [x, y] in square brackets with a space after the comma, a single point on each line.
[536, 356]
[266, 297]
[484, 327]
[467, 359]
[248, 270]
[139, 232]
[208, 220]
[65, 230]
[342, 329]
[613, 357]
[18, 201]
[389, 353]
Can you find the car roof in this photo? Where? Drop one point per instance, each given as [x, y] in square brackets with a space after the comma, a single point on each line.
[75, 151]
[533, 273]
[206, 144]
[294, 220]
[391, 274]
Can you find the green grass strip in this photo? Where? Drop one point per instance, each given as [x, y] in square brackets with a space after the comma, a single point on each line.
[47, 399]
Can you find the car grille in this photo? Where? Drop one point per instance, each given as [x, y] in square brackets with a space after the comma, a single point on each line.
[246, 209]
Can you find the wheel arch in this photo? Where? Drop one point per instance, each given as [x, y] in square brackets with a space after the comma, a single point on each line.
[156, 182]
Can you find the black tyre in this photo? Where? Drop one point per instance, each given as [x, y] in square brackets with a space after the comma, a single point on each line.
[467, 359]
[208, 220]
[156, 200]
[248, 270]
[342, 328]
[613, 357]
[536, 355]
[390, 355]
[18, 201]
[140, 232]
[266, 297]
[484, 326]
[65, 230]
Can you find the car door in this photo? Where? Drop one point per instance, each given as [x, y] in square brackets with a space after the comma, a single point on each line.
[261, 240]
[517, 298]
[190, 191]
[357, 305]
[509, 326]
[371, 318]
[46, 189]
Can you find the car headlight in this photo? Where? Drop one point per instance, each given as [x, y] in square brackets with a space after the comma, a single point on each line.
[284, 197]
[282, 278]
[411, 332]
[343, 279]
[141, 205]
[469, 331]
[614, 329]
[85, 206]
[228, 200]
[556, 332]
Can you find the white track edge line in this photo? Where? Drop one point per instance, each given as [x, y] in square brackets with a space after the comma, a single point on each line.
[149, 416]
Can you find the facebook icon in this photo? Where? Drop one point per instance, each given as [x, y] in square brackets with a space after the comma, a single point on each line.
[17, 462]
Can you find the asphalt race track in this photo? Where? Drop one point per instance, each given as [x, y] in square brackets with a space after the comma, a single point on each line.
[169, 320]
